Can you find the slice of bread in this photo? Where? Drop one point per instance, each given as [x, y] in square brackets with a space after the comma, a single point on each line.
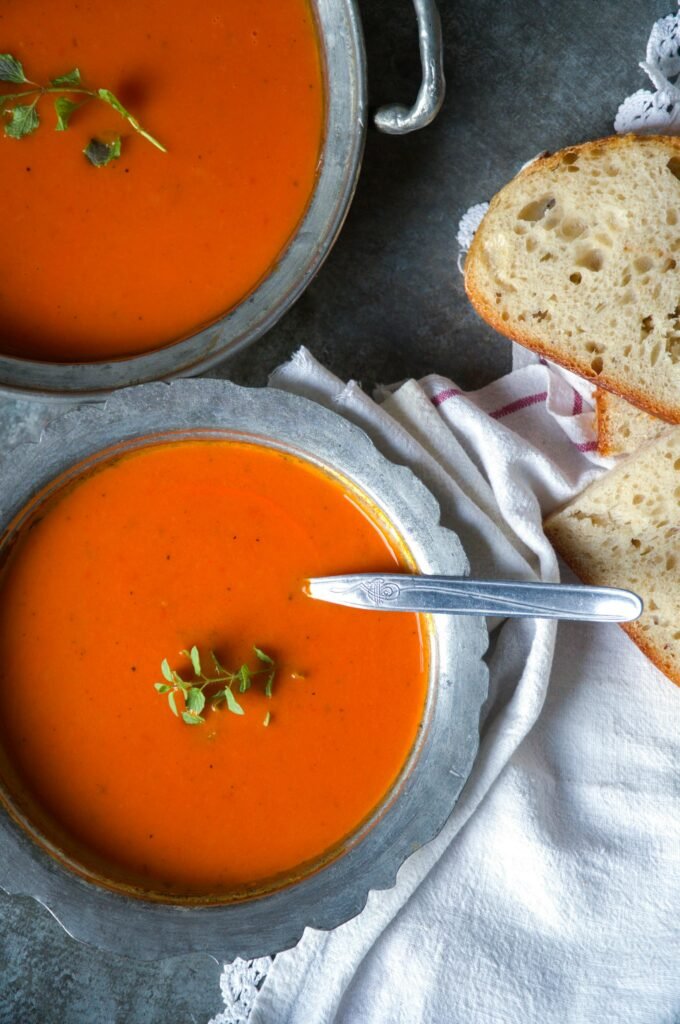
[578, 258]
[624, 531]
[622, 428]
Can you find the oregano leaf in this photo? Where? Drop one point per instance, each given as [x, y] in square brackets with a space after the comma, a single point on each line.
[195, 660]
[108, 97]
[100, 154]
[244, 678]
[195, 700]
[11, 70]
[232, 704]
[263, 657]
[24, 121]
[71, 78]
[191, 719]
[64, 108]
[113, 101]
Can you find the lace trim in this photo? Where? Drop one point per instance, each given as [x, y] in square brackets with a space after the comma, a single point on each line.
[240, 982]
[647, 111]
[469, 223]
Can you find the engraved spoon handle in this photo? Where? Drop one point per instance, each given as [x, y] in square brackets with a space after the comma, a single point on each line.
[462, 596]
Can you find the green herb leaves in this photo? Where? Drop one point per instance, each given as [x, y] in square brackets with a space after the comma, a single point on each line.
[166, 672]
[11, 69]
[262, 656]
[195, 700]
[63, 108]
[107, 96]
[24, 119]
[71, 78]
[195, 660]
[102, 153]
[216, 690]
[232, 704]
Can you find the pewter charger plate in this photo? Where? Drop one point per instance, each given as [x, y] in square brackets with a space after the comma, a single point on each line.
[421, 800]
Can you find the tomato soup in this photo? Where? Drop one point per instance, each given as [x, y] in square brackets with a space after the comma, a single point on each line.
[104, 262]
[204, 543]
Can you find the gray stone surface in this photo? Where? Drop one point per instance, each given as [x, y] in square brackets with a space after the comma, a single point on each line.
[524, 76]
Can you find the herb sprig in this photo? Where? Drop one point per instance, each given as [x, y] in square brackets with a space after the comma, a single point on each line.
[216, 690]
[24, 118]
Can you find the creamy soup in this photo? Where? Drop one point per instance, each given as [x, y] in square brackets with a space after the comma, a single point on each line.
[99, 262]
[203, 543]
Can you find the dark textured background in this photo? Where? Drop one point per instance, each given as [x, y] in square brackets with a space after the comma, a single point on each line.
[523, 76]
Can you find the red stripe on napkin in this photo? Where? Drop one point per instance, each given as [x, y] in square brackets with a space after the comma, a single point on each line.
[519, 403]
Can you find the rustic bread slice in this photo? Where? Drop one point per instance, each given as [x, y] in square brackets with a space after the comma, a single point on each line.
[578, 258]
[624, 531]
[622, 428]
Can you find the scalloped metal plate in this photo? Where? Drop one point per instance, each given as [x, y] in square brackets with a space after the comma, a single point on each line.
[424, 796]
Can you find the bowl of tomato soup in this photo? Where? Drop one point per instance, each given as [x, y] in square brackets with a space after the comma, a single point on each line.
[232, 177]
[194, 754]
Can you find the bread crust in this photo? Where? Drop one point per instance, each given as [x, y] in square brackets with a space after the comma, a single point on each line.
[539, 345]
[609, 441]
[605, 439]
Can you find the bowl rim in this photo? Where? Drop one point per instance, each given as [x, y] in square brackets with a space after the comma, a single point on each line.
[416, 808]
[344, 69]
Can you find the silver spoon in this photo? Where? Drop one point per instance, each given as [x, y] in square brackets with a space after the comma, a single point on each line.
[461, 596]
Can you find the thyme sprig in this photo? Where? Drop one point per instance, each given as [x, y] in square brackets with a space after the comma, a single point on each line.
[24, 118]
[213, 690]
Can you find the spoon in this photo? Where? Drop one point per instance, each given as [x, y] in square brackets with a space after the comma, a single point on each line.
[458, 595]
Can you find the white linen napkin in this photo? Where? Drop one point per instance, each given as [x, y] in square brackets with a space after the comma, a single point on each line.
[557, 900]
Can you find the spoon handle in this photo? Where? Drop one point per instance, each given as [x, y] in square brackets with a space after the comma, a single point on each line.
[462, 596]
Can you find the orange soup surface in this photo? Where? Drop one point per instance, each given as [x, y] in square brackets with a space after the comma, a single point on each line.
[97, 263]
[201, 542]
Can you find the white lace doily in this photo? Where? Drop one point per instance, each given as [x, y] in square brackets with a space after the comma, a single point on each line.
[467, 226]
[657, 111]
[643, 111]
[240, 983]
[469, 223]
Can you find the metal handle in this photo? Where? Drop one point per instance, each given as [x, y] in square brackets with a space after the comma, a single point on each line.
[461, 596]
[397, 119]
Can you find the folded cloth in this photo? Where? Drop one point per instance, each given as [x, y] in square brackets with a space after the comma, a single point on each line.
[551, 894]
